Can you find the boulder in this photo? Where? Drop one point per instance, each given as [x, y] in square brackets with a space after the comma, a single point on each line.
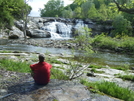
[31, 25]
[15, 33]
[36, 33]
[19, 24]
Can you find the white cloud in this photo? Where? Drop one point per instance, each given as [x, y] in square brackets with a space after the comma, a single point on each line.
[37, 4]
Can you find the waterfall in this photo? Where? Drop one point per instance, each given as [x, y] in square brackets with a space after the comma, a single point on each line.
[80, 26]
[55, 35]
[58, 29]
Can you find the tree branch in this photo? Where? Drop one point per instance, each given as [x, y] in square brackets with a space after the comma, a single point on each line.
[130, 11]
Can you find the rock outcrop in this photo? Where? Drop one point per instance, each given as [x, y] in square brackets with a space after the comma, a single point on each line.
[39, 27]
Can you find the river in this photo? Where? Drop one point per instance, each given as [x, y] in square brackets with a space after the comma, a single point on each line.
[101, 58]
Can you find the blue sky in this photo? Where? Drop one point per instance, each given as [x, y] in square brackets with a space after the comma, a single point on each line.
[37, 4]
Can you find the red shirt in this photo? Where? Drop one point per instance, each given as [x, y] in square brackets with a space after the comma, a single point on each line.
[41, 72]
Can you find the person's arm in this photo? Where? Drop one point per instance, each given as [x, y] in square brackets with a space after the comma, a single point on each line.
[32, 70]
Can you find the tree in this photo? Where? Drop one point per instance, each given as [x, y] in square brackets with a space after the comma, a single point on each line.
[92, 13]
[79, 2]
[10, 10]
[24, 12]
[122, 5]
[67, 13]
[77, 12]
[122, 26]
[125, 5]
[85, 8]
[52, 8]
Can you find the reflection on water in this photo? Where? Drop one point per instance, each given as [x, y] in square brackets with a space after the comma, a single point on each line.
[102, 58]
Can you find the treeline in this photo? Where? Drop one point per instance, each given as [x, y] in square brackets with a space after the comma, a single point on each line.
[12, 9]
[120, 12]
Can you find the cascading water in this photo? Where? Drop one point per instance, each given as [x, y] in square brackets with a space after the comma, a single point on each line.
[58, 29]
[80, 26]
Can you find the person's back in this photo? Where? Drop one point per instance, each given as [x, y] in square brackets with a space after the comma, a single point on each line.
[41, 71]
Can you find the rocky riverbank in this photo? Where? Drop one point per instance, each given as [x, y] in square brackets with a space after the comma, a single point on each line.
[47, 43]
[20, 86]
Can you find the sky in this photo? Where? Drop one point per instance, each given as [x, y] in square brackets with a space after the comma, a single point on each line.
[37, 4]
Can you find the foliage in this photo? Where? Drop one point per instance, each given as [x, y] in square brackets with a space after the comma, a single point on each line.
[122, 26]
[10, 10]
[110, 88]
[127, 43]
[67, 13]
[85, 8]
[106, 42]
[125, 5]
[129, 17]
[93, 13]
[77, 12]
[83, 40]
[96, 67]
[14, 65]
[52, 8]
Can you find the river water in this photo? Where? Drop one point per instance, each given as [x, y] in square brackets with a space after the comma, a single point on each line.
[101, 58]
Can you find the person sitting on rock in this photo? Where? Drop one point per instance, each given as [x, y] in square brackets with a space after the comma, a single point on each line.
[41, 71]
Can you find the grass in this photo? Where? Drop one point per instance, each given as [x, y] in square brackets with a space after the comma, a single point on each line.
[126, 77]
[53, 60]
[15, 65]
[58, 74]
[124, 68]
[110, 88]
[96, 66]
[5, 51]
[121, 68]
[23, 67]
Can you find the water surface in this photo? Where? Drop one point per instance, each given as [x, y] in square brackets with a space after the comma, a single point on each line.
[101, 58]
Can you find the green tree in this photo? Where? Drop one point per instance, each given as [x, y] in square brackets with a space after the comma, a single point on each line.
[97, 4]
[129, 17]
[122, 26]
[92, 13]
[52, 8]
[67, 13]
[77, 12]
[10, 10]
[85, 8]
[125, 5]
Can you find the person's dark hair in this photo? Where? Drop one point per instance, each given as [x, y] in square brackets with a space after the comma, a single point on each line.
[41, 57]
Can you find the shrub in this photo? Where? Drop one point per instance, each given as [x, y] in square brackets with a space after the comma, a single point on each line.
[122, 26]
